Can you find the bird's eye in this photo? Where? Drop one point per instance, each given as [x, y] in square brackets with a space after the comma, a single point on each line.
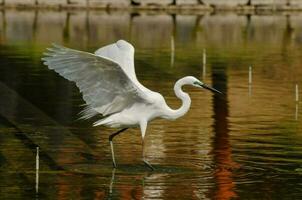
[197, 83]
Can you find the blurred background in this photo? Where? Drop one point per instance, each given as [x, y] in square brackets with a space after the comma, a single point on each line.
[245, 145]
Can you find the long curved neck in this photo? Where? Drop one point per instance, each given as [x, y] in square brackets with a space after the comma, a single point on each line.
[184, 97]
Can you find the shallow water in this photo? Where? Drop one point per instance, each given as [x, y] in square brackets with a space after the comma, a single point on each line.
[245, 145]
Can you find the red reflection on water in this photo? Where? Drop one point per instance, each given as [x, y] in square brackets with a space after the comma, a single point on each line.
[222, 150]
[224, 184]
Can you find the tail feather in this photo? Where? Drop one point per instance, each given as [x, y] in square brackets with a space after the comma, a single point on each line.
[87, 113]
[100, 122]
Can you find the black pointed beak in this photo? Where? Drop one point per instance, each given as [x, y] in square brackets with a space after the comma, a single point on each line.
[210, 88]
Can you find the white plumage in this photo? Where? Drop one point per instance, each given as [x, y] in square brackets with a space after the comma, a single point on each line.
[110, 87]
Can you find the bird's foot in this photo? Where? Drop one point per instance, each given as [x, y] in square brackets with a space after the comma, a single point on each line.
[114, 165]
[148, 165]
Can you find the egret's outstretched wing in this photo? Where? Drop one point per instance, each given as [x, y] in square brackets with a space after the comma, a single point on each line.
[106, 88]
[122, 53]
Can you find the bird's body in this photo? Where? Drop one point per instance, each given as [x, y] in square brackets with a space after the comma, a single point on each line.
[110, 87]
[137, 113]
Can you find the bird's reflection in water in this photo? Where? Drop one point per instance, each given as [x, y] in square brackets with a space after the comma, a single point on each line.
[141, 183]
[119, 190]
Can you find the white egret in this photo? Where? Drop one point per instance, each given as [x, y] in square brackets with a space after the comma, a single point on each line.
[111, 90]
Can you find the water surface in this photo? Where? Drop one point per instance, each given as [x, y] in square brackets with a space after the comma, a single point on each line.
[245, 145]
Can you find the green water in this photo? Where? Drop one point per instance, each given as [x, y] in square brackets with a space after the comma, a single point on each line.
[246, 145]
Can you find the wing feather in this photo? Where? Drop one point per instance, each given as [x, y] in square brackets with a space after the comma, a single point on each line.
[122, 53]
[105, 86]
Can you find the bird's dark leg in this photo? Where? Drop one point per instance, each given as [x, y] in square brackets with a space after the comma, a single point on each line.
[144, 160]
[111, 144]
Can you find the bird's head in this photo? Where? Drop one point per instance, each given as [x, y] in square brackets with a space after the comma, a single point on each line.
[197, 83]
